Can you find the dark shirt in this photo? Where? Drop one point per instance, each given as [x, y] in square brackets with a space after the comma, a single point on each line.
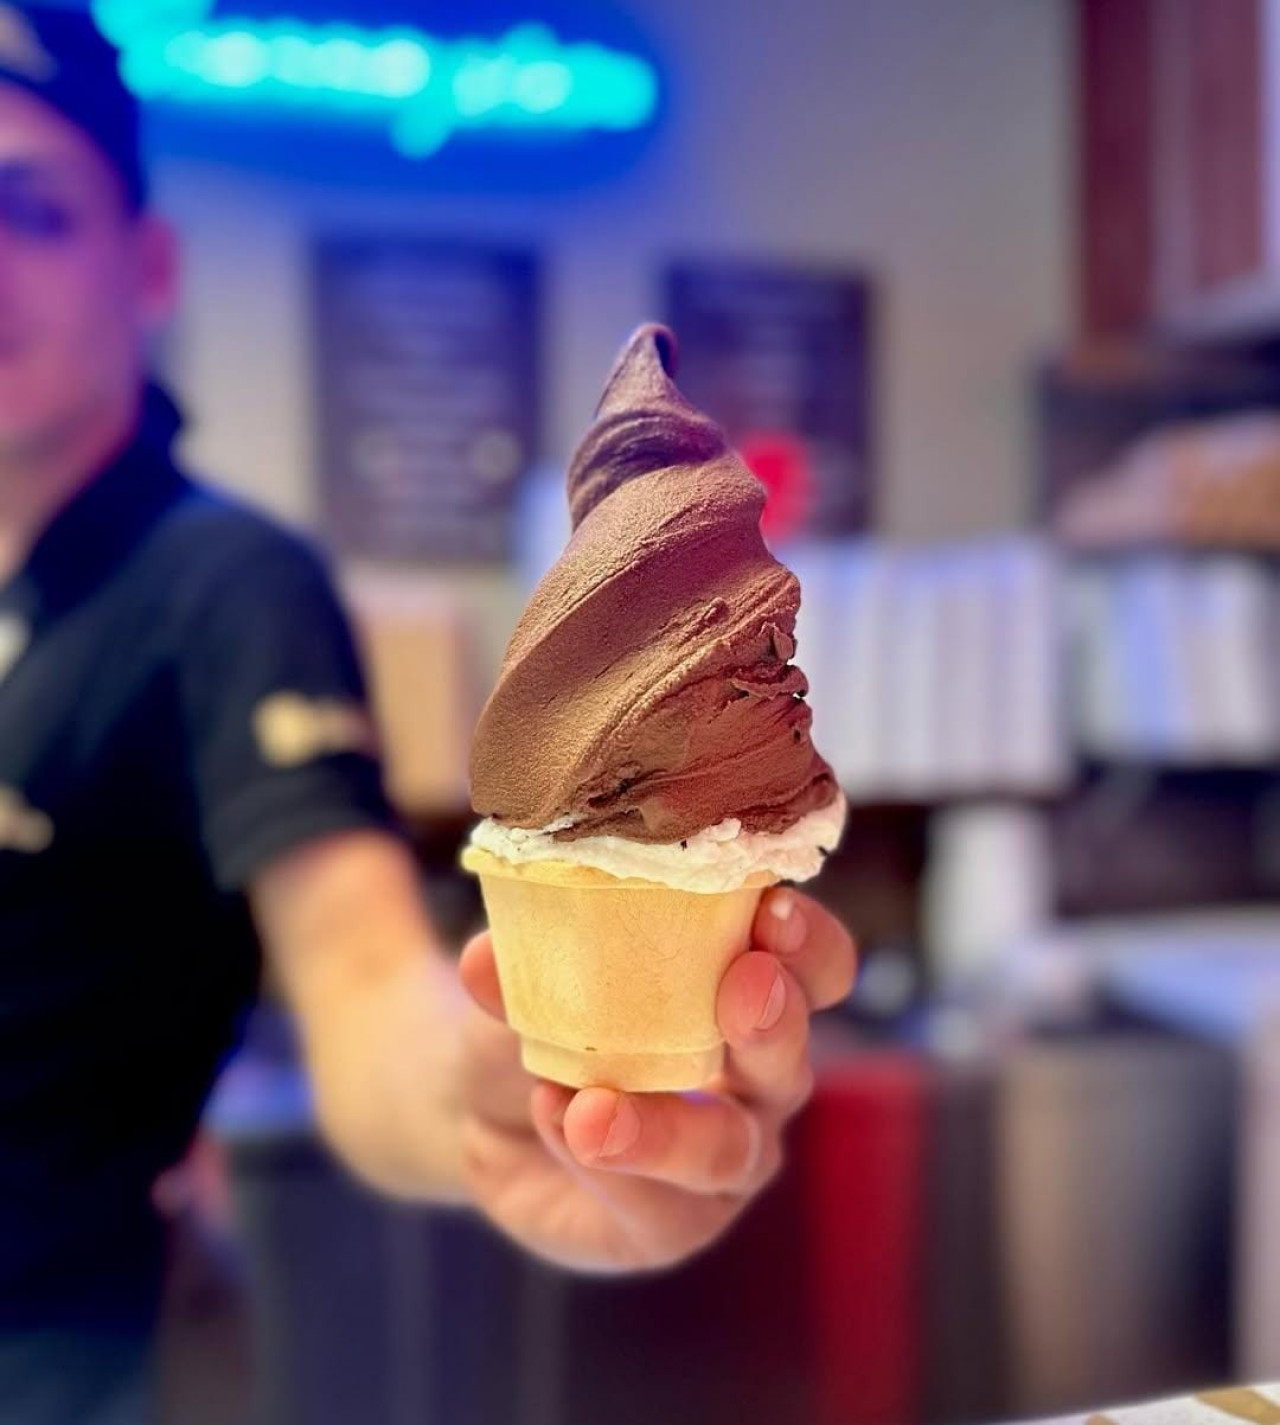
[185, 706]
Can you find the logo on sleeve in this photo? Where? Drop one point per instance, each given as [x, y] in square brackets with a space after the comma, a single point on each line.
[20, 47]
[292, 730]
[14, 637]
[22, 827]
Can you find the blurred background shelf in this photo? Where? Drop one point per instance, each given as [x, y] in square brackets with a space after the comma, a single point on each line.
[1243, 312]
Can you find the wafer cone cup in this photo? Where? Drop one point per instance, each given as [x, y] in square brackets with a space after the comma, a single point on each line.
[611, 981]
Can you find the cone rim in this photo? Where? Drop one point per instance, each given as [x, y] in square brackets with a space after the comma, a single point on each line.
[578, 877]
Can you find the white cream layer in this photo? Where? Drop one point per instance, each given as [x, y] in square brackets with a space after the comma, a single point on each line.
[718, 859]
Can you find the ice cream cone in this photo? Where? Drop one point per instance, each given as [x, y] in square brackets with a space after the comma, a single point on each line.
[611, 981]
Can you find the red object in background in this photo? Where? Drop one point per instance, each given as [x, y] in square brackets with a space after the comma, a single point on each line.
[780, 461]
[860, 1153]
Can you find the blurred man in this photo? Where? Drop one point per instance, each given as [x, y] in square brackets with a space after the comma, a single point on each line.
[188, 781]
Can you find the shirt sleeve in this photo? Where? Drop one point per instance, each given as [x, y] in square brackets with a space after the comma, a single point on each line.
[280, 737]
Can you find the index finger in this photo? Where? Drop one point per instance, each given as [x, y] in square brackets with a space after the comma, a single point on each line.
[809, 941]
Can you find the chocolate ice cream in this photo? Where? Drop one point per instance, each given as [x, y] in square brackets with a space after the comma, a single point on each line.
[648, 692]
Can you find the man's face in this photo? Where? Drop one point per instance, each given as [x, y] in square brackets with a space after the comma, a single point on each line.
[83, 281]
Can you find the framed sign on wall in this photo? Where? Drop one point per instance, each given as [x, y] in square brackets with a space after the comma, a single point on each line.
[427, 395]
[780, 356]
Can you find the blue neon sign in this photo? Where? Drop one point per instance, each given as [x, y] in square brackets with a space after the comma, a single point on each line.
[422, 88]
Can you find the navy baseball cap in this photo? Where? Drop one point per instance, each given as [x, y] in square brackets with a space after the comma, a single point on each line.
[62, 57]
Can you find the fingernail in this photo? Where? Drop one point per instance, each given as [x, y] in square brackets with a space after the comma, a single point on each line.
[788, 929]
[774, 1005]
[623, 1131]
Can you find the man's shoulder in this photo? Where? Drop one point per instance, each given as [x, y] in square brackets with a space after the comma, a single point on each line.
[216, 527]
[209, 537]
[212, 560]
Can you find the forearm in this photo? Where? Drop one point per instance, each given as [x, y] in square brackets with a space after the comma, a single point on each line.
[384, 1066]
[379, 1007]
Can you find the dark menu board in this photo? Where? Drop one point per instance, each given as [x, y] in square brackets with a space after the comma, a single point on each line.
[428, 398]
[780, 357]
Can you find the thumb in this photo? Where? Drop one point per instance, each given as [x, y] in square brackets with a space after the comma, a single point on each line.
[478, 971]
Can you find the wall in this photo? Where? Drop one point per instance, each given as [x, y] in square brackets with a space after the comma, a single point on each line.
[924, 139]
